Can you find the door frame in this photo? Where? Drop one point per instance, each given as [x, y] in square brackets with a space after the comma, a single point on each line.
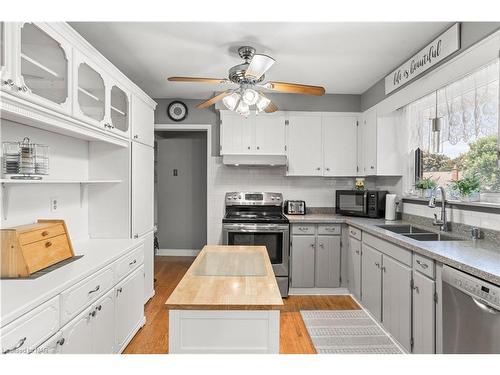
[190, 128]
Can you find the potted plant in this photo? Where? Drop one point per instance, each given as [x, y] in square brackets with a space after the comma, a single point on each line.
[467, 188]
[426, 185]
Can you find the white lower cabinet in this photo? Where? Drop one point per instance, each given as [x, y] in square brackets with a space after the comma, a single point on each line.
[371, 289]
[77, 334]
[424, 318]
[103, 325]
[129, 307]
[396, 300]
[149, 272]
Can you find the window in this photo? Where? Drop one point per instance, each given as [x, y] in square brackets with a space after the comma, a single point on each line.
[464, 141]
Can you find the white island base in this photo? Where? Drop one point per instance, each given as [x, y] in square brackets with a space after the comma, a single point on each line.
[224, 331]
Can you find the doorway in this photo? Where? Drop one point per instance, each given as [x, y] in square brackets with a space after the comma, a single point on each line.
[181, 189]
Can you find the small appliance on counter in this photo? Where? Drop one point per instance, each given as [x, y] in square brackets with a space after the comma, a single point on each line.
[364, 203]
[295, 207]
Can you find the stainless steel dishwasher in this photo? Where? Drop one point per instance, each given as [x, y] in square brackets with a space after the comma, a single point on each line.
[471, 314]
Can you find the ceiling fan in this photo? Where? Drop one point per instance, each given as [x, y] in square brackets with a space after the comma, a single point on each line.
[249, 77]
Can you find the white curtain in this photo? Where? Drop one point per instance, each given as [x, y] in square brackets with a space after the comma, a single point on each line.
[468, 106]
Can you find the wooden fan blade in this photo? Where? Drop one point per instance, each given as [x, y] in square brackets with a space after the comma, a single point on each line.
[215, 99]
[295, 88]
[198, 79]
[271, 108]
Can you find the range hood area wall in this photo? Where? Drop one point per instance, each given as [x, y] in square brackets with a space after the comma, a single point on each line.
[262, 160]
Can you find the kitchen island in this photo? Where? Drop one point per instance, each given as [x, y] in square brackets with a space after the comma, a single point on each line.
[227, 302]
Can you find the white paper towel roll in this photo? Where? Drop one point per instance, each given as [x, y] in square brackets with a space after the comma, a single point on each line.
[390, 207]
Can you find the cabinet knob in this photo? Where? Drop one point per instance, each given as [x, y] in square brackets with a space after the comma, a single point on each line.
[258, 148]
[415, 288]
[312, 245]
[136, 136]
[45, 233]
[383, 268]
[48, 244]
[136, 236]
[377, 264]
[321, 245]
[318, 169]
[248, 147]
[357, 251]
[61, 341]
[328, 169]
[22, 88]
[8, 82]
[372, 167]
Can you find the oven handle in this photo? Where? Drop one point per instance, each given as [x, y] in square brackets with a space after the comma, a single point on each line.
[253, 228]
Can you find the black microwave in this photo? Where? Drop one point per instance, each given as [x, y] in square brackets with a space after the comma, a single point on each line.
[365, 203]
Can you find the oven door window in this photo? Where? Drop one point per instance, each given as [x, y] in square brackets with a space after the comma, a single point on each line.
[352, 202]
[272, 241]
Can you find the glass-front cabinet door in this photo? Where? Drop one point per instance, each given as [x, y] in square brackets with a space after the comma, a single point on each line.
[90, 93]
[6, 73]
[44, 67]
[119, 110]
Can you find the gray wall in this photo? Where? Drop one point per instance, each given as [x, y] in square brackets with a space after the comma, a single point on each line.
[182, 199]
[470, 33]
[285, 102]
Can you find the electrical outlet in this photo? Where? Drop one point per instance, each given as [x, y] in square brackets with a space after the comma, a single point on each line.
[54, 204]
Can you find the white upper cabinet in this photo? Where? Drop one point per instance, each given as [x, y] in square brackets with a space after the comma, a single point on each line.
[42, 66]
[262, 134]
[370, 142]
[304, 144]
[119, 110]
[7, 83]
[142, 122]
[339, 147]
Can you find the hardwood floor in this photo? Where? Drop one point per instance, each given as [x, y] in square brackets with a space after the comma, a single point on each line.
[294, 339]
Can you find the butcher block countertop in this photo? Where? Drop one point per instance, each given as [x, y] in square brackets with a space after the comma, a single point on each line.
[228, 278]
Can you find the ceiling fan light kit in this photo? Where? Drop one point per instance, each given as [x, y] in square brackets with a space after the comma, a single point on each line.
[249, 77]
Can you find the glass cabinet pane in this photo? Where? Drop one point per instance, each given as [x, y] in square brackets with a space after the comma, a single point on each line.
[44, 65]
[91, 92]
[119, 109]
[2, 45]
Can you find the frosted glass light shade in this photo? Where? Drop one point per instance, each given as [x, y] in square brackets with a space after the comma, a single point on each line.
[250, 96]
[231, 101]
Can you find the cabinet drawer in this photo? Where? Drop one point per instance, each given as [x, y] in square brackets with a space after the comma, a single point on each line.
[129, 262]
[85, 292]
[398, 253]
[424, 265]
[304, 229]
[355, 232]
[30, 330]
[41, 234]
[41, 254]
[329, 229]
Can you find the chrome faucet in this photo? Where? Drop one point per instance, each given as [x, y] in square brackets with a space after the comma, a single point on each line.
[443, 222]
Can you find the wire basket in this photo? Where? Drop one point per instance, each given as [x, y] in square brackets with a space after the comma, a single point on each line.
[25, 160]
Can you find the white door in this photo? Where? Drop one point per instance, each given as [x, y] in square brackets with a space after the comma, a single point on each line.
[396, 297]
[302, 261]
[327, 266]
[339, 145]
[103, 325]
[148, 265]
[304, 145]
[237, 134]
[269, 134]
[371, 286]
[142, 122]
[370, 142]
[354, 267]
[129, 306]
[142, 189]
[77, 334]
[424, 314]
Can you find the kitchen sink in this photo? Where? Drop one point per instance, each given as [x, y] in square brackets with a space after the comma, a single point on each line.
[402, 228]
[432, 237]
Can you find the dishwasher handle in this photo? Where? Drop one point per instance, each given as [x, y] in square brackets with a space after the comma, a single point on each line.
[484, 307]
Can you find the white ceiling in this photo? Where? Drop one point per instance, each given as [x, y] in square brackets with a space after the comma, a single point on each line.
[345, 58]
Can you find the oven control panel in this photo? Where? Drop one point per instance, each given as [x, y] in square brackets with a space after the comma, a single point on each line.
[473, 286]
[249, 198]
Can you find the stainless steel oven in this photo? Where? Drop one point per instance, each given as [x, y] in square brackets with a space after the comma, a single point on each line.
[257, 219]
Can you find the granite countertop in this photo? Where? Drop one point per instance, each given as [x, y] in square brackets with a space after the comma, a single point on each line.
[479, 258]
[228, 278]
[19, 296]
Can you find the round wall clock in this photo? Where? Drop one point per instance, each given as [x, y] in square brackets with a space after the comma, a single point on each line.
[177, 111]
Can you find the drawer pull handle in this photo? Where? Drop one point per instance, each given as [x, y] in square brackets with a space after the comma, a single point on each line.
[95, 289]
[45, 233]
[330, 228]
[17, 346]
[302, 229]
[423, 265]
[132, 263]
[48, 244]
[415, 288]
[377, 264]
[118, 291]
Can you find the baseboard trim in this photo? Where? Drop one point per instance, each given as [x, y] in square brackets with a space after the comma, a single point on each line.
[318, 291]
[177, 252]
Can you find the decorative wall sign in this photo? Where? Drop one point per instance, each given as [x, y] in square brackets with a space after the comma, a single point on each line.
[441, 47]
[177, 111]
